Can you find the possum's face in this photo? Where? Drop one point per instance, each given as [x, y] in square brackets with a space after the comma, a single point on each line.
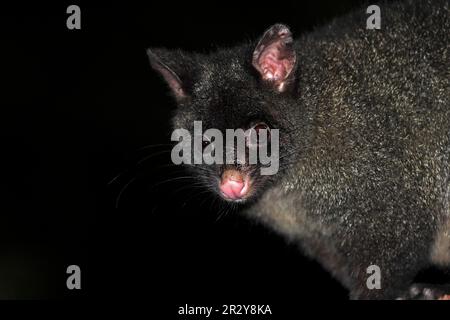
[240, 91]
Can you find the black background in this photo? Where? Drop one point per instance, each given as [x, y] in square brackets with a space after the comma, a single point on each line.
[83, 107]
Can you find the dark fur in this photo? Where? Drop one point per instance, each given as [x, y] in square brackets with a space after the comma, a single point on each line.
[365, 137]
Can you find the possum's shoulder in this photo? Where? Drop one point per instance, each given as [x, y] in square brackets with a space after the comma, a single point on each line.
[399, 68]
[402, 22]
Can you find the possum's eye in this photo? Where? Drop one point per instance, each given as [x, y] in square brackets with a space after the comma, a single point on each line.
[258, 135]
[261, 126]
[205, 142]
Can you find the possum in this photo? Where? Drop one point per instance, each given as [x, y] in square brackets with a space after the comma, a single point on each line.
[364, 133]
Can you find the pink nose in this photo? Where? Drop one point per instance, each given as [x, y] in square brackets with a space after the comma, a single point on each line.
[233, 185]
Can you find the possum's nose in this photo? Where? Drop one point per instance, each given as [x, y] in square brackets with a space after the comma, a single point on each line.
[233, 185]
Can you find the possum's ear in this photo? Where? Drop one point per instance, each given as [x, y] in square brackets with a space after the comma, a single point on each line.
[176, 68]
[275, 58]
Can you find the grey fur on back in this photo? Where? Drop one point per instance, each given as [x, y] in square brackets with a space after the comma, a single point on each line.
[370, 180]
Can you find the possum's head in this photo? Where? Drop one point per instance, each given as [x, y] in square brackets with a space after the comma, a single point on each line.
[248, 88]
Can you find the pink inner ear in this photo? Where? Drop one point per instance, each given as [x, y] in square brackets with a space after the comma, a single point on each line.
[272, 65]
[169, 76]
[274, 56]
[172, 80]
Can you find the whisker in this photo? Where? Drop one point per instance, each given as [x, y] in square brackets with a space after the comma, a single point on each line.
[222, 211]
[167, 165]
[194, 186]
[157, 145]
[170, 180]
[164, 166]
[123, 190]
[196, 194]
[152, 156]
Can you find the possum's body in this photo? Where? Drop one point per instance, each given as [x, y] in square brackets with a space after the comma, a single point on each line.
[364, 119]
[372, 185]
